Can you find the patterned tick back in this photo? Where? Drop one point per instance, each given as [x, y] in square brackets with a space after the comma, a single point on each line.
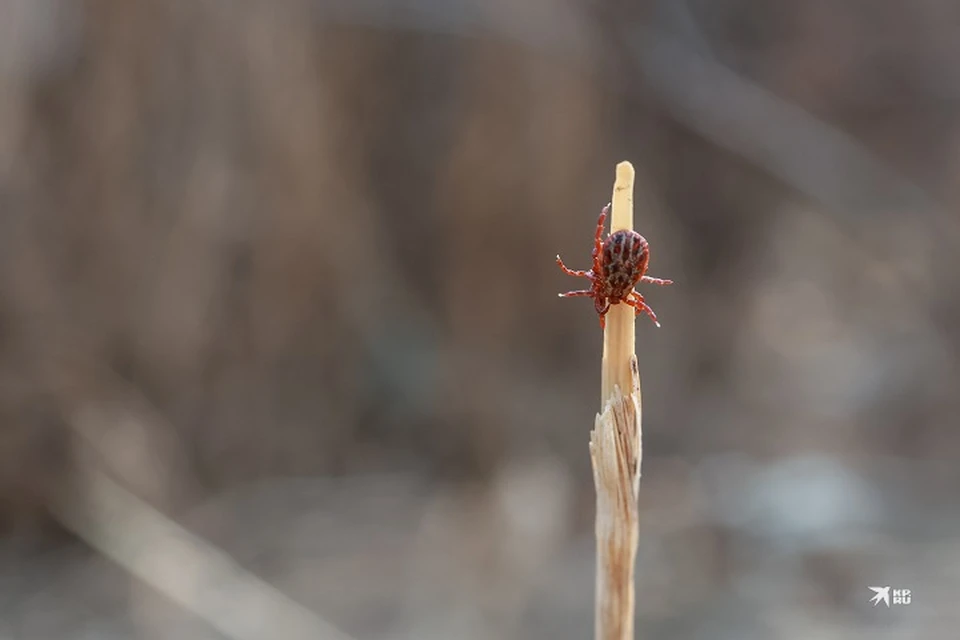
[619, 263]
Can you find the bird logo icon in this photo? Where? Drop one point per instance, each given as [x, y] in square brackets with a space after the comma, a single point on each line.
[880, 594]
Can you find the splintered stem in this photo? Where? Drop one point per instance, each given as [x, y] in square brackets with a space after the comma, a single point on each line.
[615, 451]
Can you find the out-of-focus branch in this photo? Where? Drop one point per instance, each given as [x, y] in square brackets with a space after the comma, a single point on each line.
[191, 572]
[823, 163]
[128, 530]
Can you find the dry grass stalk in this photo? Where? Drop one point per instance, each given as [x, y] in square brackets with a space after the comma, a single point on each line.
[616, 451]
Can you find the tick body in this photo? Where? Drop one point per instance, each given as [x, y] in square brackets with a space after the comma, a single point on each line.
[619, 263]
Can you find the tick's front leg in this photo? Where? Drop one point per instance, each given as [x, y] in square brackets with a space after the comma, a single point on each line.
[574, 272]
[601, 219]
[598, 237]
[659, 281]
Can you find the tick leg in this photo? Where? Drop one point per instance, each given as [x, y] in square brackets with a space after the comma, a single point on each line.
[638, 303]
[585, 293]
[574, 272]
[659, 281]
[598, 238]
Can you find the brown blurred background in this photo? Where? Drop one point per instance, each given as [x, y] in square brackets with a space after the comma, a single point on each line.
[283, 272]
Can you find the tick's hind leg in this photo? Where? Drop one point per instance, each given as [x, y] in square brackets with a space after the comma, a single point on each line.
[637, 302]
[574, 272]
[576, 294]
[659, 281]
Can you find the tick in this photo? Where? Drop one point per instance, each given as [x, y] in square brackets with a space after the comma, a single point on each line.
[619, 263]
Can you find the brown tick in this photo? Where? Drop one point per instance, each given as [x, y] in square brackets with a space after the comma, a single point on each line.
[619, 263]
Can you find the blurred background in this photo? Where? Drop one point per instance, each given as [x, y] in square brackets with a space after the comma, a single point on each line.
[281, 354]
